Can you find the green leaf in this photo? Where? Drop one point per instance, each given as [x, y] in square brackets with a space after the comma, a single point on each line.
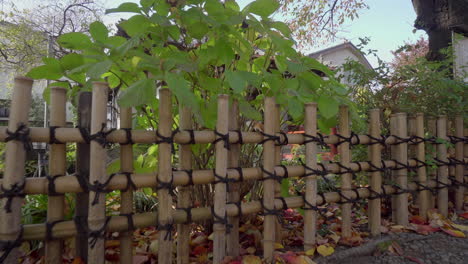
[231, 4]
[263, 8]
[125, 7]
[75, 40]
[135, 25]
[98, 31]
[97, 69]
[236, 81]
[71, 61]
[281, 63]
[45, 72]
[295, 108]
[140, 92]
[214, 7]
[285, 188]
[282, 27]
[180, 87]
[327, 106]
[197, 30]
[248, 111]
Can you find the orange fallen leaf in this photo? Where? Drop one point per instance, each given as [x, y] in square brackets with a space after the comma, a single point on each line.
[417, 219]
[325, 250]
[78, 260]
[424, 229]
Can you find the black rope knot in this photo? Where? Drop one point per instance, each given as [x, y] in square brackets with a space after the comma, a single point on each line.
[8, 245]
[101, 136]
[16, 190]
[95, 235]
[20, 134]
[222, 137]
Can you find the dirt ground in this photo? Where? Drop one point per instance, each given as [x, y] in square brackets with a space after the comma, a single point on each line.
[436, 248]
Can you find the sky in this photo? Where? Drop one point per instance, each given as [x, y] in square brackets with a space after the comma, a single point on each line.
[388, 24]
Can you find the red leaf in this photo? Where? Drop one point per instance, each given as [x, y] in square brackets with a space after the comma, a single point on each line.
[416, 219]
[464, 215]
[425, 229]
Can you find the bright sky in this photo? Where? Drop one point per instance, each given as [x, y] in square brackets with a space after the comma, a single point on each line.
[387, 23]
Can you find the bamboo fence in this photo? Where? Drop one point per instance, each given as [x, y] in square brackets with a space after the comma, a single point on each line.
[407, 140]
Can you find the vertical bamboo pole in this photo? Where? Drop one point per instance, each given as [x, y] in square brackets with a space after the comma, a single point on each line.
[422, 175]
[375, 157]
[393, 131]
[10, 224]
[183, 199]
[451, 150]
[310, 216]
[57, 168]
[346, 178]
[459, 196]
[432, 129]
[220, 196]
[278, 158]
[268, 183]
[126, 197]
[82, 169]
[442, 171]
[97, 210]
[234, 194]
[165, 177]
[401, 175]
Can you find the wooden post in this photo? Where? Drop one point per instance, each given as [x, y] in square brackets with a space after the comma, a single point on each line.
[165, 177]
[422, 175]
[346, 178]
[234, 194]
[220, 195]
[442, 171]
[278, 158]
[97, 174]
[57, 168]
[183, 199]
[459, 196]
[10, 214]
[393, 128]
[82, 169]
[310, 215]
[432, 129]
[126, 197]
[401, 175]
[269, 224]
[375, 157]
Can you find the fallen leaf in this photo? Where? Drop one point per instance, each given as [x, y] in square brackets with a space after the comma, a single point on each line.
[453, 232]
[460, 227]
[249, 259]
[424, 229]
[464, 215]
[396, 248]
[278, 246]
[78, 260]
[310, 252]
[139, 259]
[154, 247]
[112, 243]
[417, 219]
[325, 250]
[251, 250]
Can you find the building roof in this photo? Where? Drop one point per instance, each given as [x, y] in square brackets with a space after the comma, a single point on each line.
[345, 45]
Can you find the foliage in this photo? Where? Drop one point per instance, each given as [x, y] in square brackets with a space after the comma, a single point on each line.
[198, 49]
[313, 20]
[30, 33]
[409, 84]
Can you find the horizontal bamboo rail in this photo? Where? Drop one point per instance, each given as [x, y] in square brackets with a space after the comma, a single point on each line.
[120, 223]
[119, 136]
[70, 184]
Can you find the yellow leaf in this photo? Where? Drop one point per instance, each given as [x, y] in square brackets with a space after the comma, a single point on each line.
[461, 227]
[310, 252]
[278, 246]
[325, 250]
[453, 232]
[249, 259]
[305, 260]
